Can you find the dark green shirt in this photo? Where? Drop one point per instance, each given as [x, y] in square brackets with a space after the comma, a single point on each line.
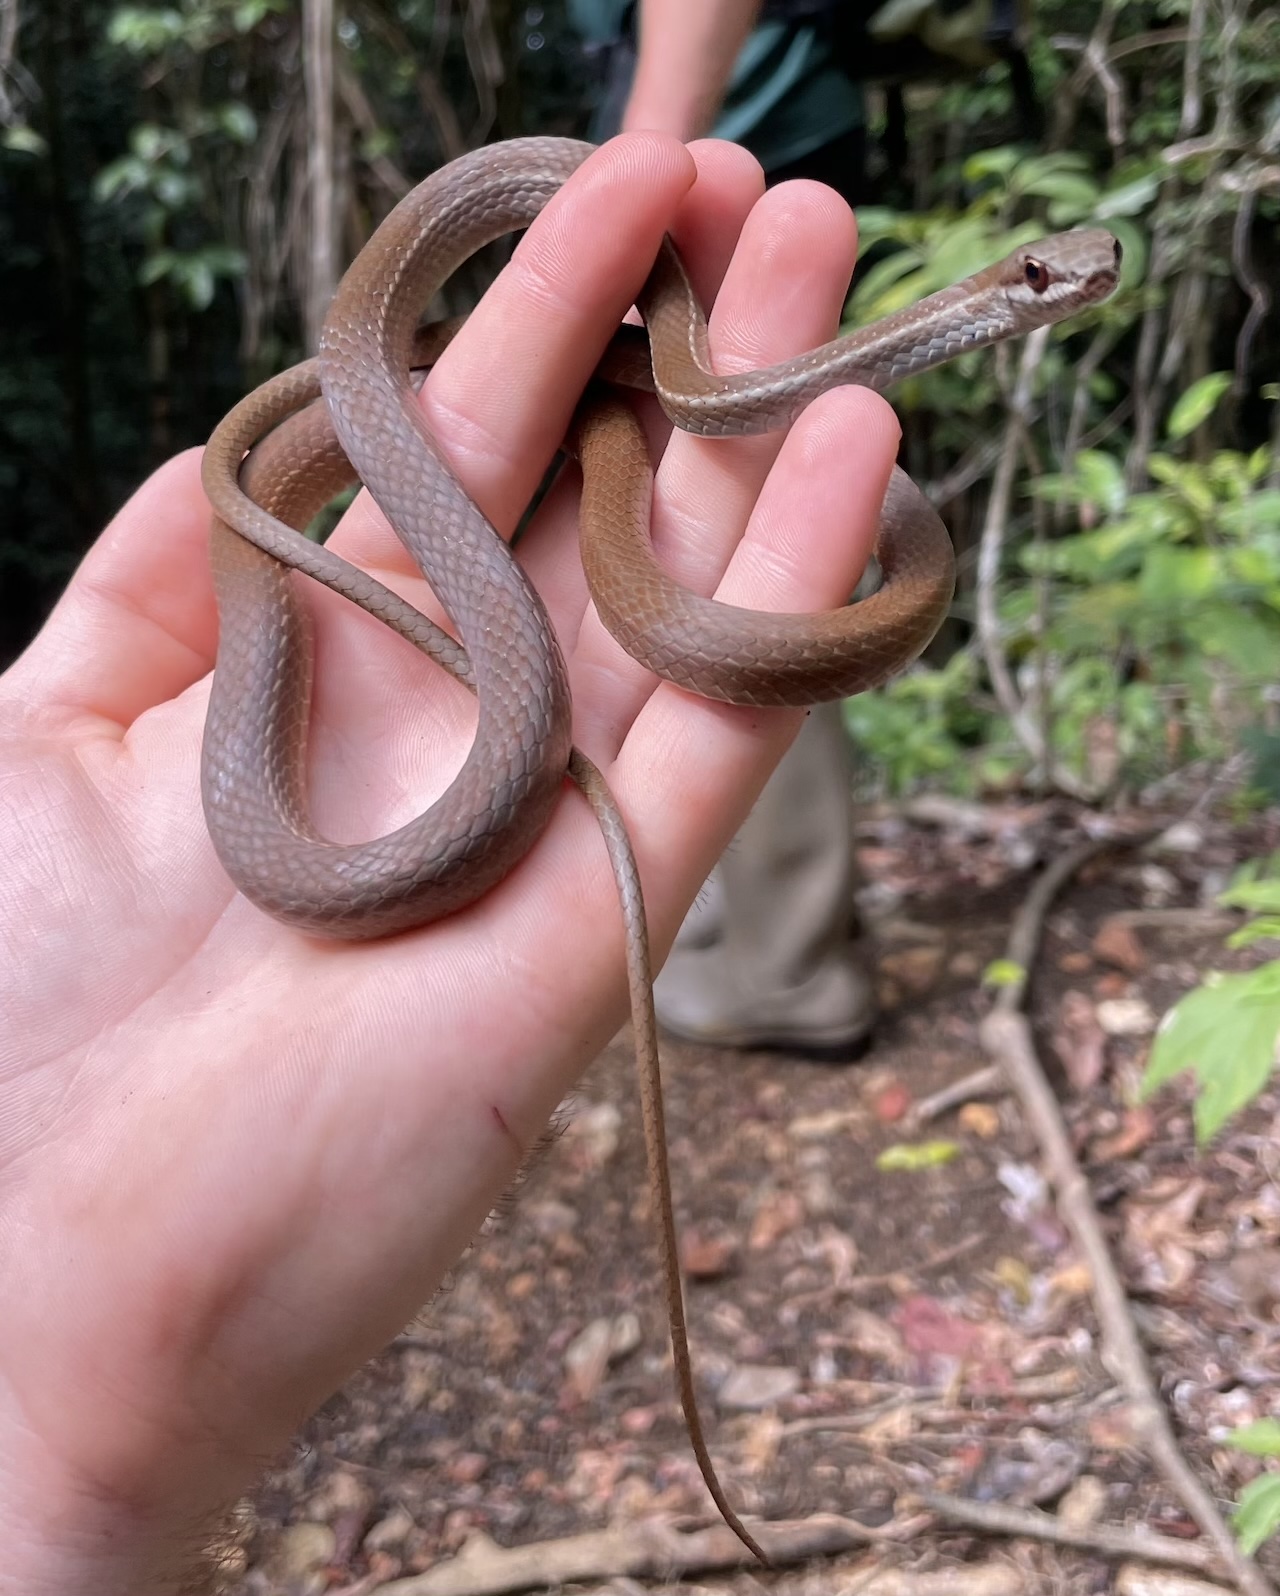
[786, 96]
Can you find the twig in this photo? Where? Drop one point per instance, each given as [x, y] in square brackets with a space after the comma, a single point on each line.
[484, 57]
[1007, 1037]
[356, 103]
[649, 1548]
[1253, 285]
[929, 1403]
[999, 1518]
[979, 1083]
[322, 256]
[1192, 98]
[990, 550]
[8, 46]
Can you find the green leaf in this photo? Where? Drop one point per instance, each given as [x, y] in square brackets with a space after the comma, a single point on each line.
[885, 275]
[1003, 972]
[1136, 249]
[1101, 480]
[24, 140]
[1266, 929]
[1071, 195]
[1259, 897]
[922, 1155]
[1261, 1439]
[1198, 403]
[157, 265]
[991, 163]
[1128, 199]
[1258, 1516]
[1225, 1033]
[238, 122]
[1173, 578]
[197, 280]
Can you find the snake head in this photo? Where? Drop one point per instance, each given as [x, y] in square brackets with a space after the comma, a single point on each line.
[1058, 276]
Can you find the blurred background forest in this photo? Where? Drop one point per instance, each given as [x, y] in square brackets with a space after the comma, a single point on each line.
[181, 182]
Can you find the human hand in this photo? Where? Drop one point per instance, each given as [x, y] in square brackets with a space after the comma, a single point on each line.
[234, 1160]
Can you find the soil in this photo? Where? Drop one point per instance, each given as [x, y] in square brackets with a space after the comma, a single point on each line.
[859, 1332]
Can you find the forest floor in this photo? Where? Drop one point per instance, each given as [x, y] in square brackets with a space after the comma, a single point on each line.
[860, 1333]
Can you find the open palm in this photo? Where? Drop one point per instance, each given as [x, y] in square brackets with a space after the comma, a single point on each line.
[234, 1160]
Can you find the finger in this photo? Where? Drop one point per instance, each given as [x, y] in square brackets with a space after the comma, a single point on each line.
[500, 400]
[706, 228]
[137, 623]
[690, 769]
[782, 294]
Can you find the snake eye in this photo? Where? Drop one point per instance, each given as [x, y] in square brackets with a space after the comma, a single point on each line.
[1036, 274]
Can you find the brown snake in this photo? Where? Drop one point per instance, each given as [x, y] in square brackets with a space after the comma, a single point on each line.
[303, 448]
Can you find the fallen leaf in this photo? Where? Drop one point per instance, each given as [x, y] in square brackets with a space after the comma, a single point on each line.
[929, 1329]
[1126, 1017]
[1137, 1127]
[592, 1134]
[706, 1257]
[915, 970]
[391, 1532]
[820, 1127]
[1079, 1040]
[759, 1447]
[1084, 1502]
[1116, 943]
[892, 1103]
[299, 1551]
[779, 1213]
[1016, 1278]
[589, 1354]
[981, 1120]
[1074, 1280]
[753, 1386]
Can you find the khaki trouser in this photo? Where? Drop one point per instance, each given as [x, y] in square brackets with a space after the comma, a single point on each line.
[770, 955]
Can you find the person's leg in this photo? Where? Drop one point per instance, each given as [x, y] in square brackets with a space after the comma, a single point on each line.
[773, 955]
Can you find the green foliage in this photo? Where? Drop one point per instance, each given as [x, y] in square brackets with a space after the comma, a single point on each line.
[1257, 1517]
[1183, 576]
[1197, 404]
[1260, 1439]
[160, 188]
[937, 247]
[193, 26]
[1226, 1031]
[924, 729]
[194, 272]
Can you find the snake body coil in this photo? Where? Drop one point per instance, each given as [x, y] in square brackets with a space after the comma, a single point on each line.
[302, 448]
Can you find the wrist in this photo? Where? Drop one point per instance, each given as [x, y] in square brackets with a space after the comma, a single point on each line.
[63, 1538]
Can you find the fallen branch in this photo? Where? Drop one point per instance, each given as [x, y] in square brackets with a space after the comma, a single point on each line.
[986, 1082]
[1007, 1037]
[651, 1548]
[989, 1579]
[1000, 1518]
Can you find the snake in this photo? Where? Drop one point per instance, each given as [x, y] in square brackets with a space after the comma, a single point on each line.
[283, 452]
